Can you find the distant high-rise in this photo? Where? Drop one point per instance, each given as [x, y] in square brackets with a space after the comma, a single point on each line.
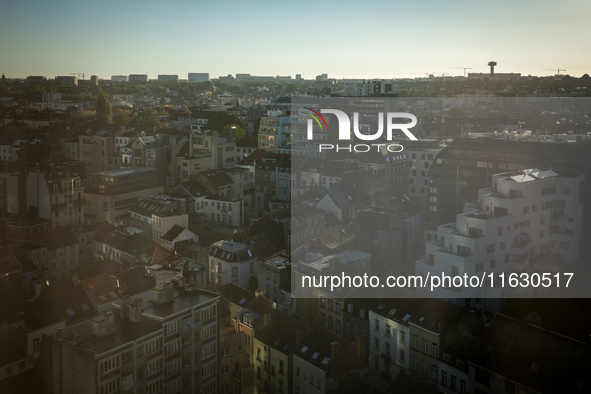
[168, 78]
[138, 78]
[119, 78]
[66, 80]
[198, 77]
[94, 80]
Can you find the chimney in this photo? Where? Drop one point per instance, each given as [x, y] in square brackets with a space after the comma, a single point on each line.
[103, 325]
[59, 334]
[259, 293]
[75, 280]
[125, 301]
[135, 310]
[163, 294]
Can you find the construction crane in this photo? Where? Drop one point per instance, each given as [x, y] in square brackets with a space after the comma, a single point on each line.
[463, 68]
[558, 70]
[79, 74]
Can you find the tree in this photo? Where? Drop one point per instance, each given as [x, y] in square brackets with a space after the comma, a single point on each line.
[232, 130]
[103, 108]
[223, 119]
[292, 87]
[122, 117]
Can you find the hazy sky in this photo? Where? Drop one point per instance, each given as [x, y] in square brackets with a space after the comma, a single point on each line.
[346, 39]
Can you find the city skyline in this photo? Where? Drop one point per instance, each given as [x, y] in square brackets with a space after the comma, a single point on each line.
[397, 40]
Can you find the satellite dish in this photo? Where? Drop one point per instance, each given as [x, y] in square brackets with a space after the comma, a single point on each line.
[47, 282]
[274, 305]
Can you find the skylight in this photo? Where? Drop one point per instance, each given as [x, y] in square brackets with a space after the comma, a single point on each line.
[304, 349]
[382, 306]
[85, 307]
[315, 355]
[326, 360]
[70, 312]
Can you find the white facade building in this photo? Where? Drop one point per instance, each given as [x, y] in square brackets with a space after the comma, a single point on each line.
[231, 262]
[529, 221]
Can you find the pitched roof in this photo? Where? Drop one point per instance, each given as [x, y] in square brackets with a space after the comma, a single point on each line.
[148, 206]
[69, 301]
[345, 194]
[174, 232]
[530, 356]
[281, 333]
[235, 294]
[55, 238]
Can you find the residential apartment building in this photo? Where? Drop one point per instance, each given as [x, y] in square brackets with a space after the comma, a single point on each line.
[55, 254]
[110, 194]
[165, 345]
[228, 210]
[529, 218]
[274, 274]
[57, 195]
[273, 350]
[421, 155]
[320, 359]
[231, 262]
[162, 222]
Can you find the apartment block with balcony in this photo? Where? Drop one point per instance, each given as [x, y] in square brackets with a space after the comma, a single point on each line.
[529, 220]
[165, 345]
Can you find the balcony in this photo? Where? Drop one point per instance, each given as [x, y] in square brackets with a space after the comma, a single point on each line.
[80, 201]
[59, 205]
[562, 230]
[522, 243]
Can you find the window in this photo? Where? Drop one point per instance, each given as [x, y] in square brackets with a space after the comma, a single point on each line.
[377, 362]
[330, 305]
[425, 346]
[434, 348]
[479, 267]
[350, 308]
[338, 308]
[377, 325]
[500, 231]
[402, 336]
[387, 349]
[444, 378]
[323, 302]
[402, 356]
[362, 313]
[415, 341]
[525, 210]
[565, 190]
[453, 382]
[490, 248]
[433, 372]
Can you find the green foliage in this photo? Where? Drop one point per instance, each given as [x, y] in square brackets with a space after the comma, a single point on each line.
[292, 87]
[232, 130]
[103, 109]
[122, 117]
[223, 119]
